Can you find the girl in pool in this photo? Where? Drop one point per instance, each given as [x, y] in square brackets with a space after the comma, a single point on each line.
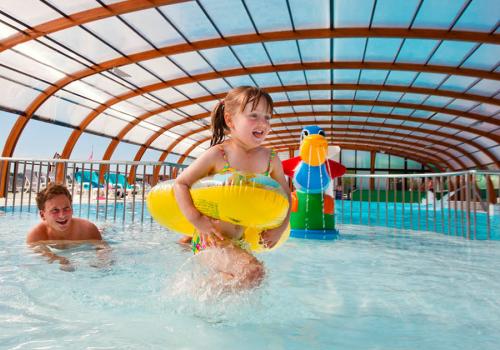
[244, 117]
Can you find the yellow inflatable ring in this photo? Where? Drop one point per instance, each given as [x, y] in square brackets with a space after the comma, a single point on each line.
[256, 202]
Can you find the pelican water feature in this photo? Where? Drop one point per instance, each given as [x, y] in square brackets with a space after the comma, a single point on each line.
[313, 208]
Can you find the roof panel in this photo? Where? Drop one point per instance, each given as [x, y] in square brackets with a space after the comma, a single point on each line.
[192, 90]
[30, 12]
[486, 87]
[480, 15]
[372, 76]
[266, 79]
[298, 95]
[403, 78]
[437, 14]
[191, 62]
[151, 24]
[486, 57]
[345, 76]
[348, 49]
[292, 78]
[283, 51]
[135, 74]
[457, 83]
[26, 64]
[416, 50]
[429, 80]
[190, 20]
[315, 50]
[230, 17]
[6, 31]
[252, 54]
[215, 86]
[451, 53]
[352, 13]
[382, 49]
[163, 68]
[320, 76]
[16, 96]
[310, 14]
[270, 15]
[394, 13]
[221, 58]
[107, 86]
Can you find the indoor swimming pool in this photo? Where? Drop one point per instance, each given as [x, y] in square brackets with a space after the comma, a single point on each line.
[374, 288]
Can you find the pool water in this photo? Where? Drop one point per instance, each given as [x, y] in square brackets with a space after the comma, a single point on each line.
[375, 288]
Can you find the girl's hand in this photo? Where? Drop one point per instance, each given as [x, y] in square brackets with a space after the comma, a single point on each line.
[269, 238]
[207, 230]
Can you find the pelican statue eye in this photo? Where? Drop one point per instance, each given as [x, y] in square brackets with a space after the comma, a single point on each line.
[322, 133]
[304, 134]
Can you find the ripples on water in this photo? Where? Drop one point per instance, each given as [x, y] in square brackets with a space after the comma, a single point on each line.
[374, 288]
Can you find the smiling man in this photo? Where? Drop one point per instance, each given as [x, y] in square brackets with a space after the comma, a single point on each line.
[58, 228]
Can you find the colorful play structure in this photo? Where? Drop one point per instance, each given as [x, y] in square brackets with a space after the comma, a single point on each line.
[313, 206]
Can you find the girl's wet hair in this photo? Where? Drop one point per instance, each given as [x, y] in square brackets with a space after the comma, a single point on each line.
[235, 101]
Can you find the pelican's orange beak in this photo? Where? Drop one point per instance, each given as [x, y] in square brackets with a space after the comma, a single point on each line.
[313, 150]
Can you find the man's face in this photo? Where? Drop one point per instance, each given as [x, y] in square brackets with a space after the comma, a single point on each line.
[58, 213]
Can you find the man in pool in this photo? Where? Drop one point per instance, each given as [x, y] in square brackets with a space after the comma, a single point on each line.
[60, 230]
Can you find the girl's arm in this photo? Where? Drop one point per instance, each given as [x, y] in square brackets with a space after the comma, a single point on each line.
[270, 237]
[201, 167]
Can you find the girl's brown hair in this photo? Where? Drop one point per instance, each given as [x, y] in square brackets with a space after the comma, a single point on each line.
[235, 101]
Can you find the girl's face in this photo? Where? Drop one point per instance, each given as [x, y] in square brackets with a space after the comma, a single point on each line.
[250, 127]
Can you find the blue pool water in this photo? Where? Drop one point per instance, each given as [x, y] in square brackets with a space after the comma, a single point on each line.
[375, 288]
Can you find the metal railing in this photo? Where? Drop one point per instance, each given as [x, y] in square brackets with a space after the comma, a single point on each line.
[100, 189]
[455, 203]
[464, 203]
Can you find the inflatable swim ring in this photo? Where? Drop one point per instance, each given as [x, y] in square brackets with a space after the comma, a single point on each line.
[256, 202]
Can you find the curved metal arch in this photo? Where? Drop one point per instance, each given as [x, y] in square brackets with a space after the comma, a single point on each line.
[249, 39]
[362, 114]
[388, 141]
[381, 145]
[71, 142]
[333, 132]
[82, 17]
[329, 123]
[66, 153]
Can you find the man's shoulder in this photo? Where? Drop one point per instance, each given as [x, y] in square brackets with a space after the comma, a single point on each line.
[37, 233]
[87, 228]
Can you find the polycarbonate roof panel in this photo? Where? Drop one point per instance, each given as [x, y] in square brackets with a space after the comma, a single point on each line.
[177, 60]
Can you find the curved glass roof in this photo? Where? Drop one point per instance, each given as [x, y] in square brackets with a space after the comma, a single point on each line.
[414, 78]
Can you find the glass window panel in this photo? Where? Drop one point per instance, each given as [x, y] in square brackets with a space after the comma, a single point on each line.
[357, 119]
[416, 50]
[389, 96]
[363, 159]
[348, 158]
[352, 13]
[15, 95]
[169, 95]
[153, 27]
[216, 86]
[283, 51]
[382, 49]
[105, 124]
[345, 76]
[372, 76]
[279, 96]
[444, 117]
[343, 94]
[414, 98]
[191, 62]
[193, 110]
[421, 114]
[362, 109]
[451, 53]
[401, 78]
[437, 101]
[366, 95]
[299, 109]
[320, 94]
[144, 102]
[266, 79]
[485, 57]
[348, 49]
[410, 124]
[315, 50]
[31, 12]
[137, 75]
[458, 83]
[139, 135]
[485, 87]
[163, 68]
[310, 14]
[270, 15]
[480, 15]
[20, 78]
[342, 108]
[190, 20]
[320, 76]
[121, 38]
[394, 13]
[79, 40]
[437, 14]
[382, 161]
[462, 105]
[221, 58]
[402, 111]
[486, 109]
[192, 90]
[88, 87]
[292, 78]
[321, 108]
[230, 18]
[429, 80]
[298, 95]
[240, 81]
[413, 165]
[380, 109]
[26, 65]
[74, 6]
[128, 109]
[397, 162]
[252, 55]
[283, 110]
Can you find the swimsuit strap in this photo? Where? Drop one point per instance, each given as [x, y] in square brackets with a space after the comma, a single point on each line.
[226, 167]
[271, 156]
